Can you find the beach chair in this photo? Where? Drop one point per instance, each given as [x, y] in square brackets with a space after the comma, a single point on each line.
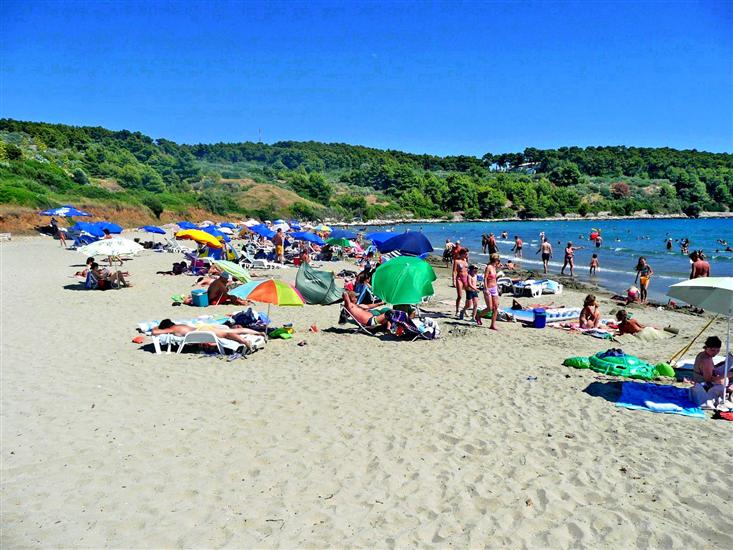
[171, 245]
[347, 316]
[256, 263]
[529, 287]
[204, 337]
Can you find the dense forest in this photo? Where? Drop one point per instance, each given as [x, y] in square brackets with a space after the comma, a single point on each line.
[47, 164]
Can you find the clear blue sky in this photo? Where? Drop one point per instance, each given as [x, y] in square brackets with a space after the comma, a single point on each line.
[426, 77]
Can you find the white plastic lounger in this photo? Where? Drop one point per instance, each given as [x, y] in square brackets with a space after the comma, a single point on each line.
[529, 287]
[204, 337]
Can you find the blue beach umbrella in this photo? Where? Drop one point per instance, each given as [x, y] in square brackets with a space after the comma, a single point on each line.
[109, 226]
[153, 229]
[262, 230]
[411, 243]
[295, 224]
[309, 237]
[66, 211]
[90, 228]
[342, 234]
[379, 236]
[187, 225]
[230, 225]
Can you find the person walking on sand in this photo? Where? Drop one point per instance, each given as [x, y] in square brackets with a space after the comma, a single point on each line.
[517, 249]
[491, 289]
[460, 277]
[279, 241]
[644, 273]
[569, 260]
[546, 250]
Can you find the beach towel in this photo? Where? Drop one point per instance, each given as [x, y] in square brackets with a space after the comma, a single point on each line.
[658, 398]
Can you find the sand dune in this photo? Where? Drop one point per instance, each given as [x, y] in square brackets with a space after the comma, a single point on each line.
[348, 441]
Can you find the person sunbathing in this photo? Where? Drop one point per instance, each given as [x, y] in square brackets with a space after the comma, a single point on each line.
[590, 315]
[236, 333]
[362, 312]
[218, 292]
[626, 325]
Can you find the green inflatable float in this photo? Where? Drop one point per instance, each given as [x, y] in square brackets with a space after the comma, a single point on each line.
[615, 362]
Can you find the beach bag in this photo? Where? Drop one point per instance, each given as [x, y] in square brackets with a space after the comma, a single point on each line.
[431, 326]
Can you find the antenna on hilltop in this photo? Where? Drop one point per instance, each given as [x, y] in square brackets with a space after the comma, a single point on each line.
[259, 134]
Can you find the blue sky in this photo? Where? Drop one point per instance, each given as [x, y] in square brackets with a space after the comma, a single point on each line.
[426, 77]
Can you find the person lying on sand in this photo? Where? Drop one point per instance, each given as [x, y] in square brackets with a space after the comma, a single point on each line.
[626, 325]
[235, 333]
[362, 312]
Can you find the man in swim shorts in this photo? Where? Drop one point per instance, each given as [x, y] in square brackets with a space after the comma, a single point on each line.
[279, 242]
[546, 250]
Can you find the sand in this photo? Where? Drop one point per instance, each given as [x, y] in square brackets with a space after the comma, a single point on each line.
[348, 441]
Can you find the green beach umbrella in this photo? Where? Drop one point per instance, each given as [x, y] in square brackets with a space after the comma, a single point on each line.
[235, 270]
[403, 280]
[344, 243]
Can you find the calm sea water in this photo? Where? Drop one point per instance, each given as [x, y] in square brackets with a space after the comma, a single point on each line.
[623, 242]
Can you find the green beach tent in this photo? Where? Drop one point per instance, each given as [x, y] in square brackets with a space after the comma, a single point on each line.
[317, 287]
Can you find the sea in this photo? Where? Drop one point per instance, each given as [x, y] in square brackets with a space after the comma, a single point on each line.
[624, 241]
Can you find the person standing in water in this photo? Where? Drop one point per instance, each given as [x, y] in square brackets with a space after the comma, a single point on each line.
[517, 246]
[669, 244]
[546, 250]
[484, 243]
[594, 264]
[493, 247]
[644, 273]
[569, 260]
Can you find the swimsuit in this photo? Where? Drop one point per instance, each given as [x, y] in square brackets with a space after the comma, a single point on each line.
[493, 291]
[471, 294]
[545, 256]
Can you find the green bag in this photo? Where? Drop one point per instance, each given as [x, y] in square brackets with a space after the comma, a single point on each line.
[577, 362]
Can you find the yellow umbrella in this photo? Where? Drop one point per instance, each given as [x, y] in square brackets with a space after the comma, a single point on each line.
[200, 237]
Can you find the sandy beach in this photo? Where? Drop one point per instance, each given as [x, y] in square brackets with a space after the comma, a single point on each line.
[478, 439]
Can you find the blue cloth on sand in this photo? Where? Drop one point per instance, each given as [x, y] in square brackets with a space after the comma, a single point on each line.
[658, 398]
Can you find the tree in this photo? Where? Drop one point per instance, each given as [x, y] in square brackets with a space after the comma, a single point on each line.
[80, 177]
[154, 204]
[312, 186]
[13, 152]
[565, 173]
[620, 190]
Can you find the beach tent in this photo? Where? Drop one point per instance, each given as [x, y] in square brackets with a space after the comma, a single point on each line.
[411, 243]
[91, 228]
[713, 294]
[317, 287]
[403, 280]
[66, 211]
[109, 226]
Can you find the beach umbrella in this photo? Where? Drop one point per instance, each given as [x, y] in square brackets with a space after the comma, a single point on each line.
[111, 247]
[153, 229]
[109, 226]
[187, 225]
[66, 211]
[342, 234]
[235, 270]
[294, 224]
[278, 222]
[201, 237]
[228, 225]
[309, 237]
[317, 287]
[211, 230]
[344, 243]
[251, 222]
[206, 223]
[712, 294]
[379, 236]
[284, 226]
[226, 230]
[412, 243]
[403, 280]
[262, 230]
[322, 228]
[270, 292]
[91, 228]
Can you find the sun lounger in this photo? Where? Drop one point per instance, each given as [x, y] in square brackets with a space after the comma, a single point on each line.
[257, 263]
[529, 287]
[204, 337]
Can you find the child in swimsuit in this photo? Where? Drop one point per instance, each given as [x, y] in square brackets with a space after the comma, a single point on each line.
[491, 290]
[472, 294]
[593, 264]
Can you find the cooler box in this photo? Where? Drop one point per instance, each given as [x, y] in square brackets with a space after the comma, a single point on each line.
[199, 297]
[540, 318]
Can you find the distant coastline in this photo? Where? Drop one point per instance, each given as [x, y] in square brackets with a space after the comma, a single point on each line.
[572, 218]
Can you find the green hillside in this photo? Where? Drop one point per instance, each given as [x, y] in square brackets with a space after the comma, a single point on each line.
[43, 165]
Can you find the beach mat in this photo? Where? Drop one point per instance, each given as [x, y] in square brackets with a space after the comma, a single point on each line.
[658, 398]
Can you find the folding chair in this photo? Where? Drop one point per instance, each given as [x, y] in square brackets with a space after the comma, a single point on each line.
[347, 316]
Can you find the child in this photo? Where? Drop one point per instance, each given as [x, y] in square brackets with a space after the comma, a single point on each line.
[594, 264]
[472, 293]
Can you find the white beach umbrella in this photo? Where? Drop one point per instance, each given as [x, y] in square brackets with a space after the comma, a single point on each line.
[225, 230]
[251, 222]
[712, 294]
[284, 226]
[111, 247]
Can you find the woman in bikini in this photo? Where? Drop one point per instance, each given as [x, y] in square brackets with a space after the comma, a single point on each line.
[644, 272]
[590, 315]
[460, 276]
[569, 259]
[491, 289]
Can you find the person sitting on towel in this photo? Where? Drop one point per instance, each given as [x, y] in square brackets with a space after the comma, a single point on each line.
[590, 315]
[167, 326]
[218, 292]
[362, 312]
[704, 371]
